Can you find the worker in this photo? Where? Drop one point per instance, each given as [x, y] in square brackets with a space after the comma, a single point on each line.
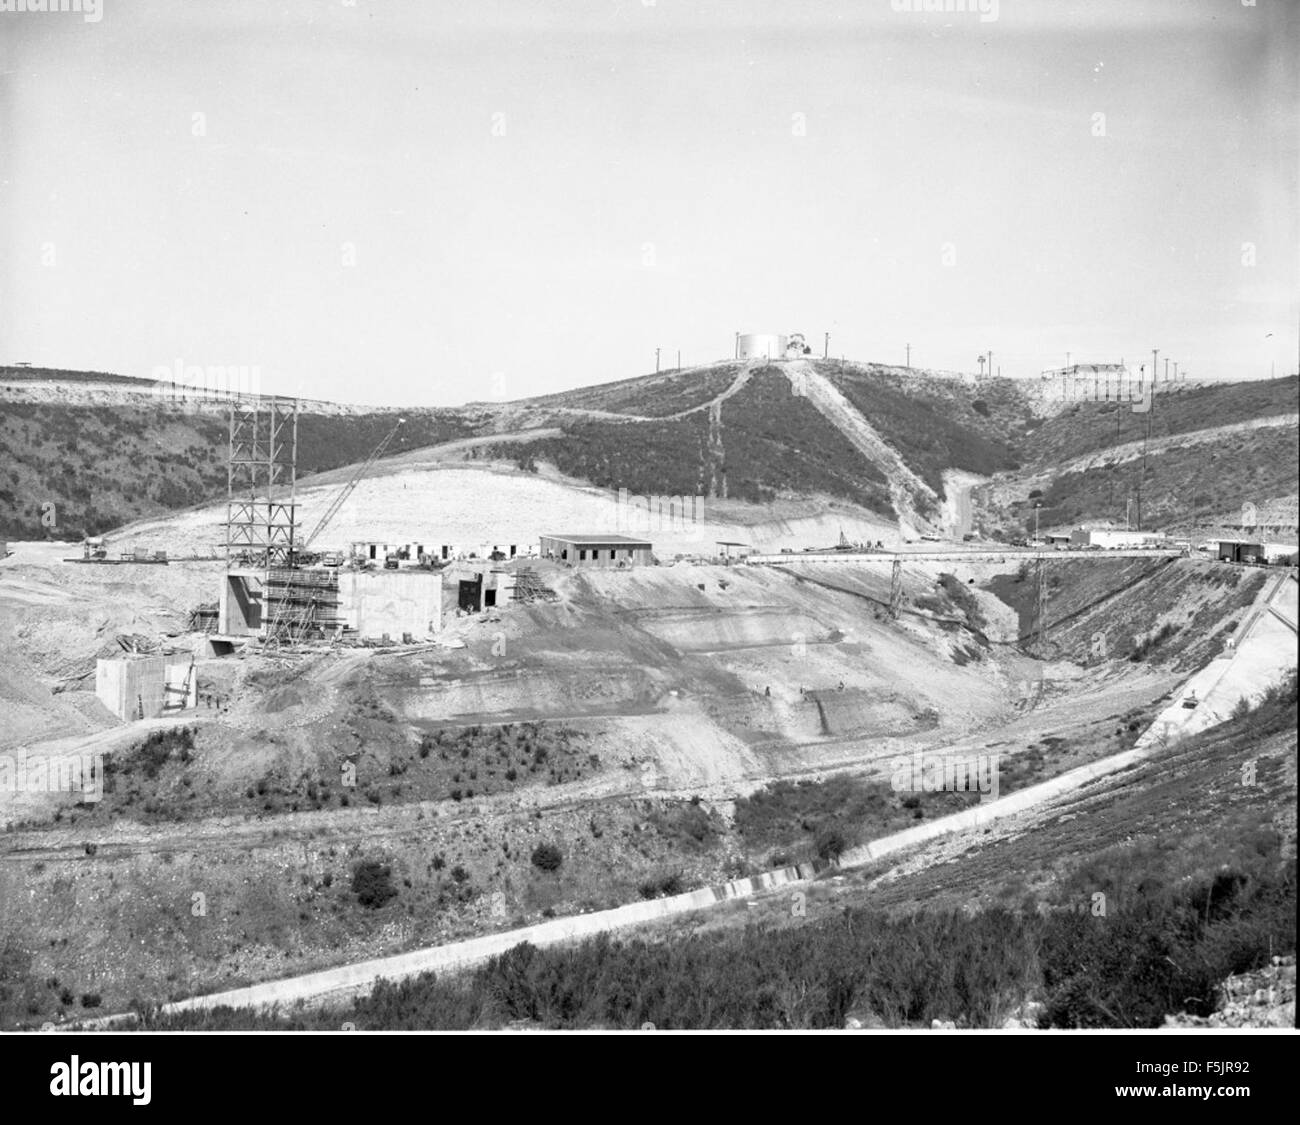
[767, 691]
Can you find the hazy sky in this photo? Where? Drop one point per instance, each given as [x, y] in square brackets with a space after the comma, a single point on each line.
[423, 202]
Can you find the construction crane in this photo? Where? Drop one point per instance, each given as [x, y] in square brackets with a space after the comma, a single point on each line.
[343, 493]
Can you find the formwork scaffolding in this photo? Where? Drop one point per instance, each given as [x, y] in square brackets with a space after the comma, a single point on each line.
[530, 588]
[306, 605]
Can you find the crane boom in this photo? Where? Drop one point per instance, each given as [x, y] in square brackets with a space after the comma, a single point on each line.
[343, 493]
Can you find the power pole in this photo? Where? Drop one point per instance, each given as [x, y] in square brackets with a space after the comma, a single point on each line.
[656, 361]
[909, 357]
[826, 346]
[737, 355]
[1067, 359]
[1166, 369]
[679, 359]
[896, 588]
[1146, 435]
[990, 363]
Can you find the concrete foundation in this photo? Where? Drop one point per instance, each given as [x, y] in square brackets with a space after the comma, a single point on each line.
[144, 687]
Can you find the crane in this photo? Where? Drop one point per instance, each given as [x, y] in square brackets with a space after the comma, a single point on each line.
[343, 493]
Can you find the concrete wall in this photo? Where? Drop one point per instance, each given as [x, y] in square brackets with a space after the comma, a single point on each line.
[375, 602]
[144, 687]
[239, 612]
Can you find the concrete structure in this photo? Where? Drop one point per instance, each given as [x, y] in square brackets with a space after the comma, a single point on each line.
[761, 345]
[597, 550]
[1239, 551]
[478, 590]
[368, 604]
[392, 602]
[144, 687]
[1115, 538]
[1280, 552]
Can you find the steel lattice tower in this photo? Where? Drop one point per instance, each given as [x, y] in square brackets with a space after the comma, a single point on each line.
[262, 483]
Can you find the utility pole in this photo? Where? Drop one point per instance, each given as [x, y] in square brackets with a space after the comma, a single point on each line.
[1037, 505]
[1175, 371]
[981, 363]
[1067, 359]
[1166, 369]
[990, 363]
[826, 345]
[737, 355]
[656, 361]
[679, 359]
[909, 357]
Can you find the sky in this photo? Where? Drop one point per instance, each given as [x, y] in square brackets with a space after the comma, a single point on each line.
[426, 203]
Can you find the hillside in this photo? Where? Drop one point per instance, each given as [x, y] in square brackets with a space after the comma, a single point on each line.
[886, 445]
[101, 464]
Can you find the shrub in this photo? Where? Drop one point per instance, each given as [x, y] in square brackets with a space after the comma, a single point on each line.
[372, 883]
[547, 857]
[830, 843]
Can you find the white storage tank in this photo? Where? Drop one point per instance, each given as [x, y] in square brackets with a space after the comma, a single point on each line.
[761, 345]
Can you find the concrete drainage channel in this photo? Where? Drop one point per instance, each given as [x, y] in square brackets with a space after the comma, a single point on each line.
[346, 981]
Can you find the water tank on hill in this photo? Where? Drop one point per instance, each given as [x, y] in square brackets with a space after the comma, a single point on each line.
[761, 345]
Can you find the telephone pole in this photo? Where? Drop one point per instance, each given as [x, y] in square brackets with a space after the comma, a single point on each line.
[826, 345]
[909, 357]
[679, 359]
[990, 363]
[656, 361]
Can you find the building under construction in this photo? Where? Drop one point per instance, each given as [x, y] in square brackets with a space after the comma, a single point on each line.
[294, 605]
[270, 590]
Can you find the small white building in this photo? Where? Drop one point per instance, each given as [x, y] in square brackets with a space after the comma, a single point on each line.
[1116, 538]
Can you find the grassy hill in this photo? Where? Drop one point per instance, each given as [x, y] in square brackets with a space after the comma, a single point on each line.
[1088, 426]
[96, 462]
[769, 441]
[103, 466]
[1203, 887]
